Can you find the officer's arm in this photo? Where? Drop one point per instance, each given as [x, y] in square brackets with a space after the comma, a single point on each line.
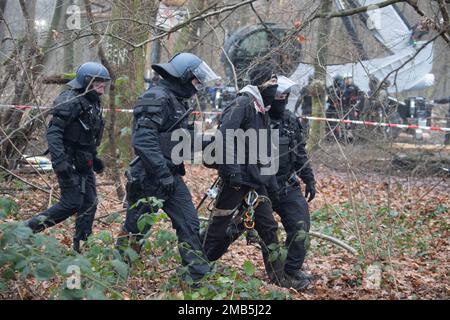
[146, 137]
[302, 165]
[231, 120]
[65, 109]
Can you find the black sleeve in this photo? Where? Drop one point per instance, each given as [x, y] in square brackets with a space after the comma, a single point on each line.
[66, 108]
[232, 118]
[302, 165]
[146, 136]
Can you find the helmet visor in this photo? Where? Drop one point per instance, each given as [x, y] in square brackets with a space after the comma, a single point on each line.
[204, 73]
[285, 85]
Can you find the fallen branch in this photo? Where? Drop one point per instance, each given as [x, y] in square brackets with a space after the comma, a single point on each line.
[24, 181]
[321, 236]
[333, 240]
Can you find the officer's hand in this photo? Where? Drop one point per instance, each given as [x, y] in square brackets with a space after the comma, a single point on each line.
[275, 199]
[167, 184]
[235, 181]
[63, 169]
[310, 190]
[98, 166]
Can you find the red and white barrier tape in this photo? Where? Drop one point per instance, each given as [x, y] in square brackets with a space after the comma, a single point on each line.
[367, 123]
[380, 124]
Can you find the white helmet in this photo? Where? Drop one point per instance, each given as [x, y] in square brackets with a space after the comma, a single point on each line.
[285, 85]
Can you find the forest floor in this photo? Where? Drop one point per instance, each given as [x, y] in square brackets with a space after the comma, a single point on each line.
[398, 222]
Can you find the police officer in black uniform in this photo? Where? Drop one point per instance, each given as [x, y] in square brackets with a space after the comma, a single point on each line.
[334, 103]
[247, 112]
[442, 101]
[291, 205]
[156, 116]
[73, 136]
[304, 102]
[351, 99]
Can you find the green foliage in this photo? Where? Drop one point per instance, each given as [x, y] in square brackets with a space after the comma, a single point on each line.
[249, 268]
[69, 75]
[382, 230]
[24, 255]
[8, 207]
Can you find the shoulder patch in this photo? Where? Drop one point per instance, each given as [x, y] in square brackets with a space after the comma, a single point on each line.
[66, 105]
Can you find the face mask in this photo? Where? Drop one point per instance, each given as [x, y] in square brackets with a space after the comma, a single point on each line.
[184, 90]
[92, 95]
[268, 94]
[277, 108]
[191, 90]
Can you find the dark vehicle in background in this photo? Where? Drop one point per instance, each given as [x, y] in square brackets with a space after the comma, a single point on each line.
[256, 43]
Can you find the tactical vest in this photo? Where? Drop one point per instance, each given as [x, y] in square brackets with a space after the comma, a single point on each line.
[288, 142]
[152, 103]
[86, 130]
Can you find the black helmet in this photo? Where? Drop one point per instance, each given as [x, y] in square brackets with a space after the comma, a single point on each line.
[338, 80]
[185, 66]
[87, 73]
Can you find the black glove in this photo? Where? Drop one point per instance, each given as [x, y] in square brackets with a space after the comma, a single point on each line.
[63, 169]
[275, 199]
[235, 180]
[98, 166]
[310, 190]
[167, 184]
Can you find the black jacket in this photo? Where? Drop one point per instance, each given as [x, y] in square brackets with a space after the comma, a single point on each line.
[241, 114]
[77, 124]
[155, 112]
[292, 152]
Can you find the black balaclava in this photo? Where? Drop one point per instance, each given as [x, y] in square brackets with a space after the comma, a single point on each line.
[92, 95]
[182, 90]
[268, 94]
[277, 108]
[189, 89]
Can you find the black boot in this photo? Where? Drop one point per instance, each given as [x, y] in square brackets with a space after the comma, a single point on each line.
[300, 275]
[297, 284]
[282, 279]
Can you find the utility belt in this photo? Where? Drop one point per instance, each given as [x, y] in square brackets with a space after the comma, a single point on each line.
[288, 179]
[83, 160]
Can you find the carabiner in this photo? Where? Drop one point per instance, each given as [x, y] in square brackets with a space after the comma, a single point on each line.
[249, 224]
[251, 198]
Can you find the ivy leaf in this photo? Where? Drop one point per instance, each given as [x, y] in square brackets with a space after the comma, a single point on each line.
[120, 267]
[96, 294]
[249, 268]
[43, 271]
[273, 256]
[131, 254]
[71, 294]
[144, 221]
[23, 232]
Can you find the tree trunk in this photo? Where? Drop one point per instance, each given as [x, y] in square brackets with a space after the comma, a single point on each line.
[2, 9]
[317, 131]
[320, 62]
[112, 107]
[23, 74]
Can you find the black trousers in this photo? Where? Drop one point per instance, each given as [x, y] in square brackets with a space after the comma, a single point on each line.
[181, 210]
[294, 213]
[78, 195]
[218, 239]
